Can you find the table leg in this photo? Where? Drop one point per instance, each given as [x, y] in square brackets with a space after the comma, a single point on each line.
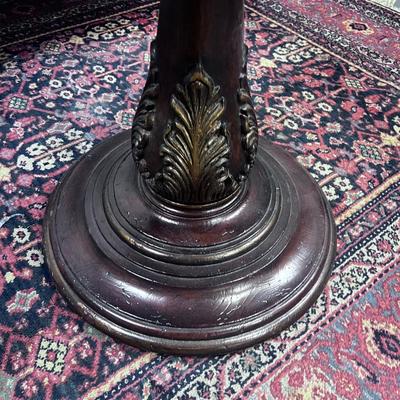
[190, 234]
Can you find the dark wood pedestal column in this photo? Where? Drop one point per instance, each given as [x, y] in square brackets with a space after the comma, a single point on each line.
[177, 237]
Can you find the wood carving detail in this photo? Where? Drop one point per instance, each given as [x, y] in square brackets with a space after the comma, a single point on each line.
[248, 121]
[144, 118]
[196, 149]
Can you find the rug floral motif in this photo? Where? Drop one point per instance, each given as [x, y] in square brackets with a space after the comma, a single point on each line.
[63, 93]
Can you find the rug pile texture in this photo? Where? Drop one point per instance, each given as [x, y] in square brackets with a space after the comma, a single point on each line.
[325, 80]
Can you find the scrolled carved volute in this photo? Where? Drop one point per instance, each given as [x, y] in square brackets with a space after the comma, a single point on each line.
[194, 136]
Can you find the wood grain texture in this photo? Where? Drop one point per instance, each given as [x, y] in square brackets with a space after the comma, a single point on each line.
[175, 237]
[189, 281]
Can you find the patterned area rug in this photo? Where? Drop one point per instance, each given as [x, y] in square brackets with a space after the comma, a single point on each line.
[324, 78]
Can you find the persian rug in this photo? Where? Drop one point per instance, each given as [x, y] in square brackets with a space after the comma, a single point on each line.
[325, 81]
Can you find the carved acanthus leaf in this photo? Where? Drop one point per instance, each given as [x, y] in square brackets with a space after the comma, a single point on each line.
[144, 118]
[195, 152]
[248, 121]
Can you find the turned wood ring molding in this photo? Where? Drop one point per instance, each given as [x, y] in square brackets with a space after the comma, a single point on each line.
[175, 236]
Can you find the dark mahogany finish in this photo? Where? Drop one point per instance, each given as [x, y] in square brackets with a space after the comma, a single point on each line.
[187, 247]
[189, 31]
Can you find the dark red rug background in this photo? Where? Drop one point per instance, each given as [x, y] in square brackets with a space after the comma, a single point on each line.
[324, 78]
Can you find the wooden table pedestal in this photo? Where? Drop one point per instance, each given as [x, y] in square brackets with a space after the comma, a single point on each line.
[190, 234]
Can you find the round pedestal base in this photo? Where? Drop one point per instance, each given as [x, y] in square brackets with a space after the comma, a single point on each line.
[188, 280]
